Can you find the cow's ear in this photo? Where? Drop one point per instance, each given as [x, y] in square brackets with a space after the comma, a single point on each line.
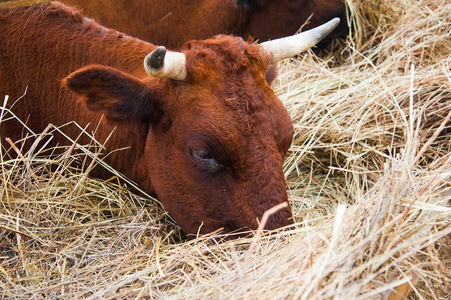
[120, 96]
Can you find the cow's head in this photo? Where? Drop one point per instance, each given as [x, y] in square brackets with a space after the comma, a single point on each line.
[215, 132]
[270, 19]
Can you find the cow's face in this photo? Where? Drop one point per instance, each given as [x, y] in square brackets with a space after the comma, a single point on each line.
[270, 19]
[215, 141]
[217, 159]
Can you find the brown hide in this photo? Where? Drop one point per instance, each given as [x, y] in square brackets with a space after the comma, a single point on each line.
[173, 22]
[210, 147]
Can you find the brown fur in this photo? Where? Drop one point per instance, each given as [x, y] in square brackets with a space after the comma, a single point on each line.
[225, 109]
[173, 22]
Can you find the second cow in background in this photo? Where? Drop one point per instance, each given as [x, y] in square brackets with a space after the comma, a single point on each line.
[173, 22]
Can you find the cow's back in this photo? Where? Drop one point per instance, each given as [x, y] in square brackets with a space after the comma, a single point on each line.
[25, 54]
[170, 23]
[42, 44]
[39, 47]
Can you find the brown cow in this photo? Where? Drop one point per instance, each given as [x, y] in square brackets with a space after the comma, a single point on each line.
[173, 22]
[204, 132]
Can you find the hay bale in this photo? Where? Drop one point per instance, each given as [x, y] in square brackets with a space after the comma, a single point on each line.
[368, 177]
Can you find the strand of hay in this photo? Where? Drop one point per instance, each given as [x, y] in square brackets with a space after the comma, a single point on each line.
[368, 176]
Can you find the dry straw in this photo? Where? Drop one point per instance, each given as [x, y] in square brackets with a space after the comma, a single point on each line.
[368, 179]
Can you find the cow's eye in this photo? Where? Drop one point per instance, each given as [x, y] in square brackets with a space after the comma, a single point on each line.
[204, 159]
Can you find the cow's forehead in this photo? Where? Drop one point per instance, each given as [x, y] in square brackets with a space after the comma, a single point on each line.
[226, 87]
[223, 57]
[231, 108]
[241, 93]
[228, 70]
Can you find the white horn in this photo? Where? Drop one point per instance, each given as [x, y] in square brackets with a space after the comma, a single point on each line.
[291, 45]
[160, 63]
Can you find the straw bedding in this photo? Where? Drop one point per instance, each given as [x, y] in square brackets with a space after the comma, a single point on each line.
[368, 179]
